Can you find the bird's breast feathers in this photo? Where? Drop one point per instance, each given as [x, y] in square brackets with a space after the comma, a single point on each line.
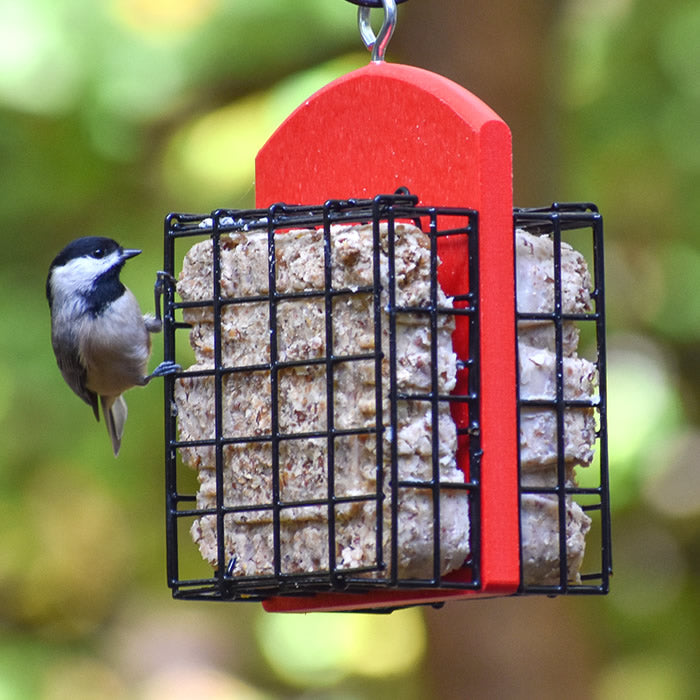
[115, 347]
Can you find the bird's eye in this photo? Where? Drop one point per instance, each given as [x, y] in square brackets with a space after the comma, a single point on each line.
[98, 253]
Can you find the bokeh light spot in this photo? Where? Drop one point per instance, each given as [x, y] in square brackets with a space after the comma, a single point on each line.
[162, 17]
[39, 68]
[674, 490]
[643, 406]
[321, 649]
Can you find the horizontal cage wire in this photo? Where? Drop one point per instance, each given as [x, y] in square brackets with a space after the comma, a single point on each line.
[573, 416]
[319, 412]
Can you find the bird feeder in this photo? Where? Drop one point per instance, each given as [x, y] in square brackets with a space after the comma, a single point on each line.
[387, 406]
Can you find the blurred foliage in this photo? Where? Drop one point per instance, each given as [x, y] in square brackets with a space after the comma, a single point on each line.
[116, 112]
[632, 101]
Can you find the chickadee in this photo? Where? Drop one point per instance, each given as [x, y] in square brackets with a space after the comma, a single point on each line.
[101, 340]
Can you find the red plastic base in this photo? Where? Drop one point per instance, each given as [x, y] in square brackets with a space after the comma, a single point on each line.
[387, 126]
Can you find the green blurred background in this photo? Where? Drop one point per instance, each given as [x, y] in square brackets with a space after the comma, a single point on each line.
[115, 112]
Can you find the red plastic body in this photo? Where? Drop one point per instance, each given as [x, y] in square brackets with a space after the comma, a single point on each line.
[387, 126]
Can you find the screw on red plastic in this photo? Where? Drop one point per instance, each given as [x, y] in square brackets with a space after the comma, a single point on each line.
[370, 132]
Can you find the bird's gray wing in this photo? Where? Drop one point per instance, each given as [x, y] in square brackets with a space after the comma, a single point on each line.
[75, 375]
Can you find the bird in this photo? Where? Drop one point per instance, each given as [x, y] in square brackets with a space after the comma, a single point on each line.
[101, 340]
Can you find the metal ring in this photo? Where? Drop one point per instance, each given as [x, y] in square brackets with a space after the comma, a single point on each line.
[373, 3]
[377, 44]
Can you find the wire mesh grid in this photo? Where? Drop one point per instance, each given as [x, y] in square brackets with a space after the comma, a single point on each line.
[222, 578]
[587, 490]
[282, 522]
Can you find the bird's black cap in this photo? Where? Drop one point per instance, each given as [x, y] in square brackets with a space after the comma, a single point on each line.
[96, 246]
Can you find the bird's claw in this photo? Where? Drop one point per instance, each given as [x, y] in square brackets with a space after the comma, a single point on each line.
[163, 370]
[159, 289]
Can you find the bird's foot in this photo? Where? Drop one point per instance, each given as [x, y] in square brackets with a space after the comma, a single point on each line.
[163, 370]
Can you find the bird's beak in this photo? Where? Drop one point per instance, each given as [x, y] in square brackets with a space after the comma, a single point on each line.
[129, 253]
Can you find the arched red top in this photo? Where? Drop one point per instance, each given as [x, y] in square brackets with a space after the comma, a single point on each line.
[382, 127]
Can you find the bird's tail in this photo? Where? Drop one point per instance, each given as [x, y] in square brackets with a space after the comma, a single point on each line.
[115, 412]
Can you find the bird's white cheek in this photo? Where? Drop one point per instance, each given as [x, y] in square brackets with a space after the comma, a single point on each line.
[78, 275]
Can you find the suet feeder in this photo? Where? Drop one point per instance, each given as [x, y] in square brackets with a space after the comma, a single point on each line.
[387, 404]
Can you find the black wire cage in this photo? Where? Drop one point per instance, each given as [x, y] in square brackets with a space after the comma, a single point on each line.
[586, 504]
[325, 438]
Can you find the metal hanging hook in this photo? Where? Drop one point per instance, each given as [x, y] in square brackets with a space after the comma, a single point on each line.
[377, 44]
